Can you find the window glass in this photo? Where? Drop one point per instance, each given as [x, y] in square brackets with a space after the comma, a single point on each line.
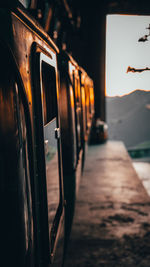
[49, 102]
[48, 93]
[25, 3]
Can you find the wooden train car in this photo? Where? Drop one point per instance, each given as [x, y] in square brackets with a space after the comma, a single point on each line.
[30, 146]
[46, 110]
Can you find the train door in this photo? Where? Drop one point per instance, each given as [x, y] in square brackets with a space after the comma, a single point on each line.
[67, 118]
[16, 224]
[25, 178]
[69, 140]
[48, 140]
[77, 95]
[83, 117]
[51, 139]
[87, 100]
[83, 113]
[91, 99]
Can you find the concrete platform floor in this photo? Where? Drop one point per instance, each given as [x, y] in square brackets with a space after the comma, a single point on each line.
[112, 218]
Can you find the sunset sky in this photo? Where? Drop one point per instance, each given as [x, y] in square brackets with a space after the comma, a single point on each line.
[123, 50]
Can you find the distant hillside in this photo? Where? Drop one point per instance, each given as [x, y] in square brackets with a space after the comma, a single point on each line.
[128, 118]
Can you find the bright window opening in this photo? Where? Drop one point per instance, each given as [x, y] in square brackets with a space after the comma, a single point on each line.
[122, 50]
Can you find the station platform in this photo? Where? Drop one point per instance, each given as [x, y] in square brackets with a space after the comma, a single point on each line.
[112, 217]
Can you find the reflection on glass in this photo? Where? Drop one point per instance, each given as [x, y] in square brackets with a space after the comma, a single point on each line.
[25, 3]
[52, 174]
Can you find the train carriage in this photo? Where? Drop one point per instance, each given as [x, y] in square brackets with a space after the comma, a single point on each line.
[29, 58]
[45, 119]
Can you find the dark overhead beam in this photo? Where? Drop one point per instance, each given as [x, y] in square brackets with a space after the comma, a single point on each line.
[128, 7]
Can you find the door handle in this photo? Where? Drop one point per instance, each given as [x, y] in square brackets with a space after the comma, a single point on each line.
[57, 133]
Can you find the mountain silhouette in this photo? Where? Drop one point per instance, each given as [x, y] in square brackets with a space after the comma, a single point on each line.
[128, 118]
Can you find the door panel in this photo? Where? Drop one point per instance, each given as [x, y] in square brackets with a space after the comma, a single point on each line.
[49, 95]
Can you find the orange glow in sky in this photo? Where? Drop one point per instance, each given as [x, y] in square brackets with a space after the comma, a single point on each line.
[123, 50]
